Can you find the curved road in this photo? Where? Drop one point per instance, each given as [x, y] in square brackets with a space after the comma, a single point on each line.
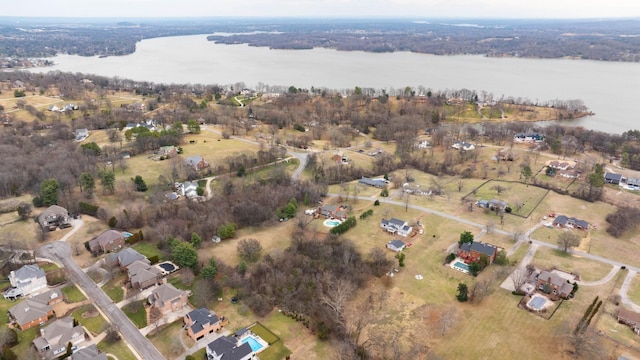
[60, 252]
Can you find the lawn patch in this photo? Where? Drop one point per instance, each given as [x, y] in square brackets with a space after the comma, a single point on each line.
[149, 250]
[118, 349]
[264, 333]
[89, 317]
[73, 294]
[136, 312]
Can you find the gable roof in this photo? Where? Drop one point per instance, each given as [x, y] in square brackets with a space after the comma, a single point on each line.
[193, 160]
[552, 278]
[90, 352]
[58, 334]
[228, 348]
[165, 293]
[29, 310]
[107, 237]
[28, 272]
[200, 317]
[46, 297]
[140, 272]
[629, 315]
[480, 247]
[612, 177]
[398, 244]
[127, 256]
[52, 211]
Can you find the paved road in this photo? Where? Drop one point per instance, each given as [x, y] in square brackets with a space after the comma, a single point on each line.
[60, 252]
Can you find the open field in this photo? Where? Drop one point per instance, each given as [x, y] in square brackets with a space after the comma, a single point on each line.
[167, 340]
[513, 192]
[588, 270]
[634, 290]
[119, 350]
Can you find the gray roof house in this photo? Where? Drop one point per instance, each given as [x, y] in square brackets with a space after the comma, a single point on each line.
[379, 183]
[90, 352]
[26, 280]
[29, 313]
[54, 338]
[53, 216]
[167, 297]
[396, 226]
[570, 222]
[612, 178]
[229, 348]
[81, 134]
[128, 256]
[396, 245]
[142, 275]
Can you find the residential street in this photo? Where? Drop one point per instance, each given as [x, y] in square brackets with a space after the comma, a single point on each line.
[60, 252]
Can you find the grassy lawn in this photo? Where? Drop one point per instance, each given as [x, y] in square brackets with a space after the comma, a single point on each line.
[276, 349]
[514, 192]
[137, 313]
[113, 289]
[176, 281]
[119, 350]
[200, 354]
[89, 317]
[588, 270]
[73, 294]
[167, 340]
[264, 333]
[148, 250]
[634, 290]
[25, 339]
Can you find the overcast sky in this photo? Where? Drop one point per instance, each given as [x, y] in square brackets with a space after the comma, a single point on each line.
[324, 8]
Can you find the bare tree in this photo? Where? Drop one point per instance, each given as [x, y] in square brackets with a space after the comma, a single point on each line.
[499, 189]
[490, 226]
[567, 240]
[336, 295]
[460, 184]
[518, 204]
[518, 277]
[585, 344]
[530, 269]
[249, 249]
[517, 234]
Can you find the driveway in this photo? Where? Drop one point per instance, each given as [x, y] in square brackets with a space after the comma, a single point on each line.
[60, 252]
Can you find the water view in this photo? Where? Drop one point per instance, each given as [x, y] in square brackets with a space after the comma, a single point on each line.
[609, 89]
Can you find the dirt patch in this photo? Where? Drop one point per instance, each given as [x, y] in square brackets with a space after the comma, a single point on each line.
[90, 314]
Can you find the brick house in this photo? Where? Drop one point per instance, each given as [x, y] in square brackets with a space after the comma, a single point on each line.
[34, 311]
[128, 256]
[167, 298]
[108, 241]
[554, 285]
[141, 275]
[630, 318]
[471, 252]
[201, 322]
[333, 212]
[196, 163]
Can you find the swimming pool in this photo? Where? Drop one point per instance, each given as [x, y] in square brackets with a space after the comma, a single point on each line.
[167, 266]
[461, 266]
[255, 345]
[126, 234]
[331, 223]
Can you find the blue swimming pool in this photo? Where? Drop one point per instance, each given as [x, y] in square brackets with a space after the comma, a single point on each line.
[331, 223]
[255, 345]
[126, 234]
[461, 266]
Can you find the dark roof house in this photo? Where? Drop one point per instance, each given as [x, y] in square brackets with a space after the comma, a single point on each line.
[229, 348]
[90, 352]
[612, 178]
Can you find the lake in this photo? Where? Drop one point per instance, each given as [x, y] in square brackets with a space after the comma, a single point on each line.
[609, 89]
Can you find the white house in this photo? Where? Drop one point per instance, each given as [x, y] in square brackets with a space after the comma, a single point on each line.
[26, 280]
[81, 134]
[396, 245]
[188, 189]
[396, 226]
[54, 338]
[463, 145]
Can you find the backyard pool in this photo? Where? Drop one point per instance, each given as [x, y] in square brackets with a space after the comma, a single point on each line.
[255, 345]
[331, 223]
[461, 266]
[167, 266]
[126, 234]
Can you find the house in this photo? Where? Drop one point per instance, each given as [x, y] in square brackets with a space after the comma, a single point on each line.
[196, 162]
[396, 226]
[137, 107]
[630, 318]
[167, 152]
[471, 252]
[612, 178]
[561, 165]
[51, 297]
[128, 256]
[90, 352]
[396, 245]
[463, 145]
[81, 134]
[528, 137]
[424, 144]
[415, 190]
[108, 241]
[201, 322]
[167, 298]
[379, 183]
[131, 125]
[554, 285]
[633, 183]
[188, 189]
[29, 313]
[53, 217]
[563, 221]
[25, 281]
[54, 338]
[333, 212]
[229, 348]
[141, 275]
[492, 204]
